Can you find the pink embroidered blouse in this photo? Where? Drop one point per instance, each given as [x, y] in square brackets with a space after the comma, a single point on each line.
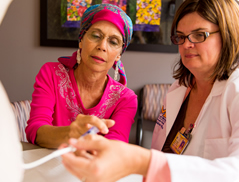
[56, 101]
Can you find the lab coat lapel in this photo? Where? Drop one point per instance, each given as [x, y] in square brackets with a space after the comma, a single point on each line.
[174, 101]
[217, 90]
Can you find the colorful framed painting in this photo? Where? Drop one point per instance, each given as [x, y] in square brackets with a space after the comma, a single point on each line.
[152, 19]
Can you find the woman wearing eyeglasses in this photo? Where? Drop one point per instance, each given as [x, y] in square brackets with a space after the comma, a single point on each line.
[71, 96]
[200, 116]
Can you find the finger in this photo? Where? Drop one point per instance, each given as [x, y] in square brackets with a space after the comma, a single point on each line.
[85, 154]
[76, 164]
[109, 122]
[64, 145]
[90, 143]
[100, 124]
[87, 121]
[92, 152]
[72, 168]
[104, 124]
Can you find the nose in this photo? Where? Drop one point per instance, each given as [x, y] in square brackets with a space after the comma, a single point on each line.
[187, 44]
[102, 45]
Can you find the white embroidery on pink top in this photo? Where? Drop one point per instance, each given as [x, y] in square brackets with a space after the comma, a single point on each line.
[66, 91]
[112, 98]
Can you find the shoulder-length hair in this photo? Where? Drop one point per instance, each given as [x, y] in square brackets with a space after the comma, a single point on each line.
[225, 14]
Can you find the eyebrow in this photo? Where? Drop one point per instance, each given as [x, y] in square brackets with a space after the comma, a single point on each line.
[195, 30]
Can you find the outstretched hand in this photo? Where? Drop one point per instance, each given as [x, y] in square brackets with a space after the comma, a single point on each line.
[99, 159]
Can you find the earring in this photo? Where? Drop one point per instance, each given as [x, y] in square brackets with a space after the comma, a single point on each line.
[78, 57]
[116, 70]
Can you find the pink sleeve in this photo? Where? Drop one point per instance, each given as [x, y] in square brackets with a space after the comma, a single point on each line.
[43, 100]
[123, 116]
[158, 168]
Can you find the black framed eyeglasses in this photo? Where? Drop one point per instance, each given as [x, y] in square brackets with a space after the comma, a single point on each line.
[195, 37]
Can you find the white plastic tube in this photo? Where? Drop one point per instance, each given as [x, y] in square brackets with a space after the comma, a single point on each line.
[49, 157]
[57, 153]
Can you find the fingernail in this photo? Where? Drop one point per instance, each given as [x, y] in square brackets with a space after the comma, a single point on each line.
[105, 130]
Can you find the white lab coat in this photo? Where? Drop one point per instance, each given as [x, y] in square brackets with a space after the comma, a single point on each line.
[11, 161]
[213, 153]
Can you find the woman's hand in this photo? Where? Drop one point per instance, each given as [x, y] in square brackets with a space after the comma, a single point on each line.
[85, 122]
[52, 136]
[108, 160]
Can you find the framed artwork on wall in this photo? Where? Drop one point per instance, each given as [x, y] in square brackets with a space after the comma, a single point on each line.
[152, 19]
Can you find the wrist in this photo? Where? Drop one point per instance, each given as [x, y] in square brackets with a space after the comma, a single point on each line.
[140, 160]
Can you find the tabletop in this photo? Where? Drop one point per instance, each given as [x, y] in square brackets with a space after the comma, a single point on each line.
[29, 146]
[53, 170]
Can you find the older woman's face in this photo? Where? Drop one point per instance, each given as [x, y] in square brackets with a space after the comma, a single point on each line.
[101, 46]
[199, 58]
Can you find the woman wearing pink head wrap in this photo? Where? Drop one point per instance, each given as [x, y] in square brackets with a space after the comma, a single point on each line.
[71, 96]
[200, 110]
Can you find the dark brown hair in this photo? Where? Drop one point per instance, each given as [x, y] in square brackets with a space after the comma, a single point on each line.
[225, 14]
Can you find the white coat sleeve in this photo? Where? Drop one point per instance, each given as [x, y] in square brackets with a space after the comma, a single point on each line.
[196, 169]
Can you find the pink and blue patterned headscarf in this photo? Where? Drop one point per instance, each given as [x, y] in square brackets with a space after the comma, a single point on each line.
[111, 13]
[115, 15]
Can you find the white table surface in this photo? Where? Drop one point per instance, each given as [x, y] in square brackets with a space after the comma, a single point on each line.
[54, 171]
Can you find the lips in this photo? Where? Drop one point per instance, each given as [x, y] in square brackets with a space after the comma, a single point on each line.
[189, 55]
[98, 59]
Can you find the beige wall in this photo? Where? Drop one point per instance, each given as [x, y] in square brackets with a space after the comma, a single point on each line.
[21, 56]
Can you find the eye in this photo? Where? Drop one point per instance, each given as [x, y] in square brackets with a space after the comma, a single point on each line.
[179, 37]
[114, 41]
[197, 37]
[198, 34]
[95, 35]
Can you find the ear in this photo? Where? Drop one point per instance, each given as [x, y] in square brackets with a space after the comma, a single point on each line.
[118, 57]
[80, 45]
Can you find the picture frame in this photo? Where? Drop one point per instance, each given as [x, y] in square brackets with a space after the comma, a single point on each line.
[54, 34]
